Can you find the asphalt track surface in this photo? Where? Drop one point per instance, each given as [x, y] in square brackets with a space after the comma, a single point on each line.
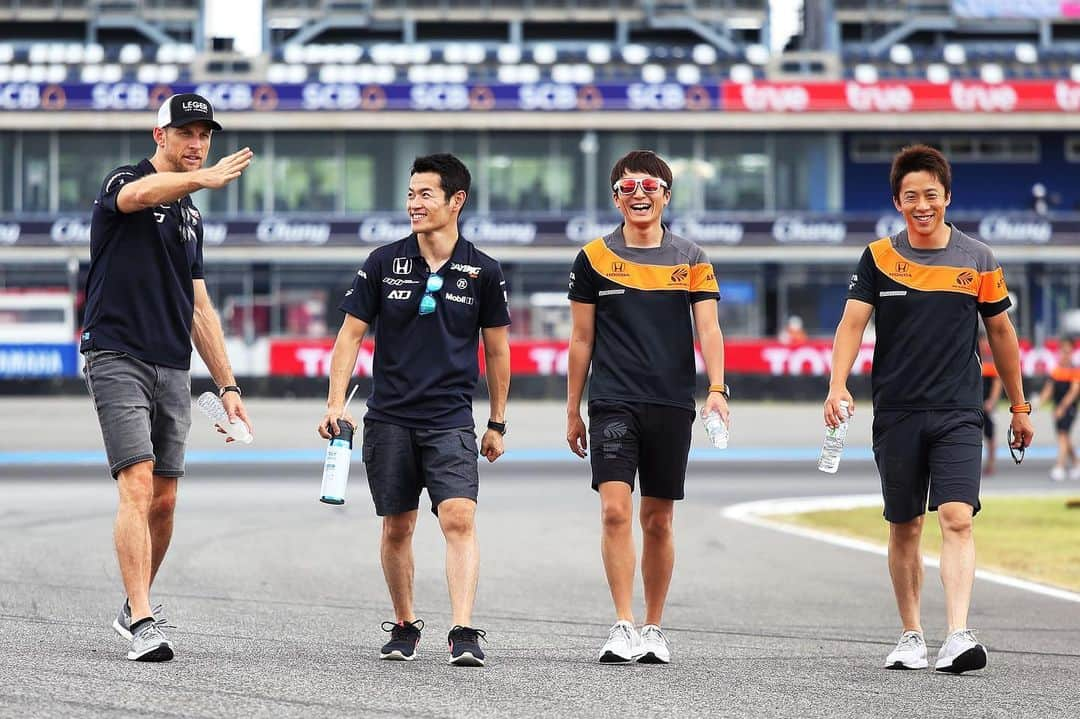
[277, 599]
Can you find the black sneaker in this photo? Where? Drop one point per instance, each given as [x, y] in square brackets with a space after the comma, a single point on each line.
[404, 636]
[465, 648]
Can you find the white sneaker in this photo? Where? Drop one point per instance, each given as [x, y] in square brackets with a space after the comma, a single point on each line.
[910, 653]
[654, 646]
[1057, 474]
[961, 652]
[623, 644]
[1074, 472]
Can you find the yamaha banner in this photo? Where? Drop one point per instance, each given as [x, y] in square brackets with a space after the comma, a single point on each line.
[734, 230]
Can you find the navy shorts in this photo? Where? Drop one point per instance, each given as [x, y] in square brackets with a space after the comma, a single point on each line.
[928, 453]
[144, 411]
[1064, 423]
[988, 425]
[402, 461]
[649, 440]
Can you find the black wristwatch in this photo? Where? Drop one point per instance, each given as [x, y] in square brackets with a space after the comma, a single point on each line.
[499, 427]
[229, 388]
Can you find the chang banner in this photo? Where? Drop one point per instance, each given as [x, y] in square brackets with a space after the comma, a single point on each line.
[804, 230]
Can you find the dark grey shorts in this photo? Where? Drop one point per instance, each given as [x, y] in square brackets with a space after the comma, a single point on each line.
[401, 461]
[144, 410]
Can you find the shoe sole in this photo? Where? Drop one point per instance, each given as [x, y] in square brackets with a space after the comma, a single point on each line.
[613, 658]
[119, 629]
[160, 653]
[467, 660]
[396, 656]
[651, 658]
[900, 665]
[972, 659]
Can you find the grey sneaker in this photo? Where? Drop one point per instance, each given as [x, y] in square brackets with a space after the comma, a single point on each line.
[654, 646]
[961, 652]
[122, 624]
[150, 645]
[910, 652]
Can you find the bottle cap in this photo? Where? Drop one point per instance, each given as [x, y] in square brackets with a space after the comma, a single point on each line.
[347, 430]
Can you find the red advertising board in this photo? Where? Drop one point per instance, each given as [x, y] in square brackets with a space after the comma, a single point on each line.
[902, 97]
[311, 358]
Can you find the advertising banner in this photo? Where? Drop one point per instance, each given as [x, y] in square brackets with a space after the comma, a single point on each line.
[887, 96]
[311, 358]
[38, 360]
[709, 230]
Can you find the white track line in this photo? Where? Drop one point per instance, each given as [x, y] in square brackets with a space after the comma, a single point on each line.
[752, 513]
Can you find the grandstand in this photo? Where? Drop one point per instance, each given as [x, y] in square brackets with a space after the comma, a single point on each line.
[779, 119]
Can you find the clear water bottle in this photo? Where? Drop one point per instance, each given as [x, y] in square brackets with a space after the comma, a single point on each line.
[335, 476]
[834, 442]
[716, 429]
[211, 406]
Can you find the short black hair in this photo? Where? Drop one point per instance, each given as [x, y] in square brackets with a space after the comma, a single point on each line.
[454, 177]
[642, 161]
[920, 158]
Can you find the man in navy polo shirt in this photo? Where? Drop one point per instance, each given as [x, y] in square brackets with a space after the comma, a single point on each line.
[146, 302]
[433, 294]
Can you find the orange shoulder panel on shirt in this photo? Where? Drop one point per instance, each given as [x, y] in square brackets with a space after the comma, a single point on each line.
[634, 275]
[1063, 374]
[964, 280]
[703, 278]
[992, 286]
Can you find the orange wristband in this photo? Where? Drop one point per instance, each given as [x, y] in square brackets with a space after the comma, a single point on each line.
[1022, 408]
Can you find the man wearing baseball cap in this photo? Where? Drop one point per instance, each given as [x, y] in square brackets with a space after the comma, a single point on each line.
[146, 304]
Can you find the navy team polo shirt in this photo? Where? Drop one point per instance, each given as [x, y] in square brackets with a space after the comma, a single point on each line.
[140, 298]
[425, 366]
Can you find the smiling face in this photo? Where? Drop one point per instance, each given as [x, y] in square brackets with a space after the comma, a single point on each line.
[185, 148]
[428, 207]
[922, 201]
[641, 209]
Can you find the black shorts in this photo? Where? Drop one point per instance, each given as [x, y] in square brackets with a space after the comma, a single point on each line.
[935, 452]
[988, 425]
[401, 461]
[650, 440]
[1064, 423]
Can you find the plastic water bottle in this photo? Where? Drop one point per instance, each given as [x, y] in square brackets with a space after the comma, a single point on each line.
[335, 476]
[211, 406]
[716, 429]
[834, 442]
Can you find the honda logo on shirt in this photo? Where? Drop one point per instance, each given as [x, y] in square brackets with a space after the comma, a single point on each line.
[402, 266]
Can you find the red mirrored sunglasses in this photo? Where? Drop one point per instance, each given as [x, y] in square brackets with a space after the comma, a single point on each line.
[629, 185]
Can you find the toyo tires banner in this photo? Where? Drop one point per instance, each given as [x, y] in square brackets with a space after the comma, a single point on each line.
[311, 358]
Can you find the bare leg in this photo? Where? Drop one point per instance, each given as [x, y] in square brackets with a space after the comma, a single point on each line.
[657, 554]
[162, 507]
[457, 518]
[617, 545]
[957, 561]
[906, 570]
[396, 553]
[131, 533]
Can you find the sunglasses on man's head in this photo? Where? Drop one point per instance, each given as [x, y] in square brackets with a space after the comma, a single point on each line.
[427, 302]
[629, 185]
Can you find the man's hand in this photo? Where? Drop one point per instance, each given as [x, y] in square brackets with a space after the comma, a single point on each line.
[716, 402]
[491, 445]
[1022, 431]
[234, 407]
[833, 415]
[226, 170]
[576, 435]
[328, 428]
